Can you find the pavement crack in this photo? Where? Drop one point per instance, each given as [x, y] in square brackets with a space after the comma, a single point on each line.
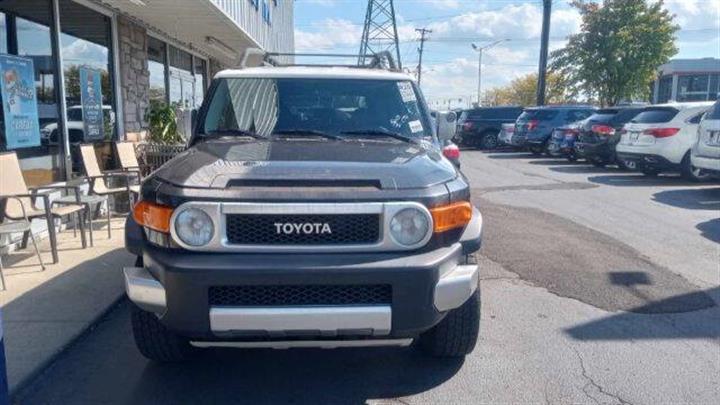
[593, 383]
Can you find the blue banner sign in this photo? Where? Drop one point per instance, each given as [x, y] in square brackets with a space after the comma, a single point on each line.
[91, 100]
[22, 128]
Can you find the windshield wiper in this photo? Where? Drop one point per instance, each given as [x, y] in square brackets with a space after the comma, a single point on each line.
[231, 132]
[305, 132]
[381, 132]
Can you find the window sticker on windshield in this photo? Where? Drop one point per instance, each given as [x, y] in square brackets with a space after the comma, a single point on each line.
[415, 126]
[406, 92]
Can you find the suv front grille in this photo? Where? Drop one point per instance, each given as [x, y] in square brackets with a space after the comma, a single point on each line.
[298, 295]
[262, 229]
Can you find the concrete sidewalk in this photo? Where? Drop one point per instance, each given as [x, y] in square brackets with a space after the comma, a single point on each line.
[44, 311]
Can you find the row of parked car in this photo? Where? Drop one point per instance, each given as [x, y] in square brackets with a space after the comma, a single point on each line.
[672, 137]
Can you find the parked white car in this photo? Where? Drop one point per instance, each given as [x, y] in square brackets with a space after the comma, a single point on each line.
[506, 133]
[659, 139]
[706, 151]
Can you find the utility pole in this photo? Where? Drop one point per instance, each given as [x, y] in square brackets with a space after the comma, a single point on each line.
[423, 32]
[542, 72]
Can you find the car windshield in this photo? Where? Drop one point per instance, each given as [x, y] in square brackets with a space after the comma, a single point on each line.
[297, 106]
[714, 113]
[74, 114]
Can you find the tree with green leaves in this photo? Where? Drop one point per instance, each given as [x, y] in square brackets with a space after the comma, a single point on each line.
[523, 90]
[616, 54]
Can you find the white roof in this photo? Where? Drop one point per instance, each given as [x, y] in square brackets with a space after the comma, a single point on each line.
[686, 105]
[314, 72]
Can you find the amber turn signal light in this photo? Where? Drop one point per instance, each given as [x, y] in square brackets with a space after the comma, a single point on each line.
[447, 217]
[153, 216]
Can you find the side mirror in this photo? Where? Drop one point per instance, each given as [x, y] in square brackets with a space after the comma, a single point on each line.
[446, 125]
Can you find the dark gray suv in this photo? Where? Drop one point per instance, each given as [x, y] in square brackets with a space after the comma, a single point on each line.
[535, 125]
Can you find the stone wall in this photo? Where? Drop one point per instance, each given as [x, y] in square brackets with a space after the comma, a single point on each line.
[134, 73]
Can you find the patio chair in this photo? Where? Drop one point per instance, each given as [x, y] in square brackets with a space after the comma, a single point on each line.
[128, 159]
[98, 178]
[11, 227]
[12, 184]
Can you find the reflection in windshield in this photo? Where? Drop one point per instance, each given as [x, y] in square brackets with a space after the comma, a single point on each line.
[271, 106]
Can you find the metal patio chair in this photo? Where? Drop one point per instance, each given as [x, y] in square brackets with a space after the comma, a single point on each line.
[99, 179]
[12, 184]
[11, 227]
[128, 158]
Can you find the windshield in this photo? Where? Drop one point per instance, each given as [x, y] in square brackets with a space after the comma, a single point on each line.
[332, 106]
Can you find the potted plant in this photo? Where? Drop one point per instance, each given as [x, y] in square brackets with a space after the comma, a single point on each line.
[163, 141]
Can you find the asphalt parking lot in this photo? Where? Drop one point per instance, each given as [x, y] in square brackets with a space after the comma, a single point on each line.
[599, 286]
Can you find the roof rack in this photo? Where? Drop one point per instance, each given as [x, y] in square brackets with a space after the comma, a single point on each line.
[381, 60]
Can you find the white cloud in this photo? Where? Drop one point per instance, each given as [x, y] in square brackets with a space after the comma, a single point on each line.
[695, 14]
[328, 34]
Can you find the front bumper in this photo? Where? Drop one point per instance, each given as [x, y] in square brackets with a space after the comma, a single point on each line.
[424, 287]
[175, 284]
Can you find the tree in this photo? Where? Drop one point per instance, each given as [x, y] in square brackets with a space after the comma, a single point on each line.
[616, 54]
[522, 91]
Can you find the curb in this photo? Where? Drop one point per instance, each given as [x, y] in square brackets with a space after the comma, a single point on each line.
[22, 385]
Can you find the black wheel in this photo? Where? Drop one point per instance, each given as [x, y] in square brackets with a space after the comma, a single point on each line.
[457, 334]
[598, 163]
[155, 341]
[650, 172]
[139, 261]
[537, 150]
[622, 165]
[572, 157]
[489, 140]
[691, 172]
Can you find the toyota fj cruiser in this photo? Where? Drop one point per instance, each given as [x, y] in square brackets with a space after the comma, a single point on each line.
[312, 208]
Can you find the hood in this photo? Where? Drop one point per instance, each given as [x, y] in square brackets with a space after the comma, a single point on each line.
[219, 164]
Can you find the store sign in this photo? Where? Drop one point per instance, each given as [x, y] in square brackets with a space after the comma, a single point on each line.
[22, 127]
[91, 100]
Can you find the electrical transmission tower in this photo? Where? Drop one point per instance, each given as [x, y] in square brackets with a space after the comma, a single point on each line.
[380, 32]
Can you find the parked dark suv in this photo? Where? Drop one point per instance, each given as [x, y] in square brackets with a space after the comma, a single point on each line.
[600, 133]
[479, 127]
[535, 125]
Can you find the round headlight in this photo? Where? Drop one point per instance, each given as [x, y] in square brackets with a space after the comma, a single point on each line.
[194, 227]
[409, 226]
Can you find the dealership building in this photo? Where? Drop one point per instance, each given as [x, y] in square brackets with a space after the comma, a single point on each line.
[140, 50]
[687, 80]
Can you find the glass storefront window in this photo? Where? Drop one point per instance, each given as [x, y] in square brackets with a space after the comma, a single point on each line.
[693, 87]
[182, 81]
[714, 86]
[156, 65]
[200, 81]
[26, 33]
[665, 89]
[86, 48]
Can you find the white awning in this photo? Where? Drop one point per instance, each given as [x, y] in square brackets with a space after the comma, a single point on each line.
[198, 24]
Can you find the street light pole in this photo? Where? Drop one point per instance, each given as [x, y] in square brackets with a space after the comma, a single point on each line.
[480, 50]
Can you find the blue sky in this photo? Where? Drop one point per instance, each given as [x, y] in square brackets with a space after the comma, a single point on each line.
[450, 65]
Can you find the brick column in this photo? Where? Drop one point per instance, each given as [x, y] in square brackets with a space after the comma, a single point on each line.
[134, 73]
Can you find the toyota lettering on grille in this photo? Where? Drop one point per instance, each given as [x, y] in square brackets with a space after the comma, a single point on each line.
[290, 228]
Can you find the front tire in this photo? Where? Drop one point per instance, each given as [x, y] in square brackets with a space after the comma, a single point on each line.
[537, 150]
[457, 334]
[650, 172]
[155, 341]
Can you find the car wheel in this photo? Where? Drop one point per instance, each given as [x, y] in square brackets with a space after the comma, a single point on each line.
[457, 334]
[598, 162]
[489, 140]
[691, 172]
[155, 341]
[572, 157]
[650, 172]
[622, 165]
[536, 150]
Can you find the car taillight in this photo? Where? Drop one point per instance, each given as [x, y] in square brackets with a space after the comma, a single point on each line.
[605, 130]
[532, 124]
[451, 152]
[661, 132]
[467, 126]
